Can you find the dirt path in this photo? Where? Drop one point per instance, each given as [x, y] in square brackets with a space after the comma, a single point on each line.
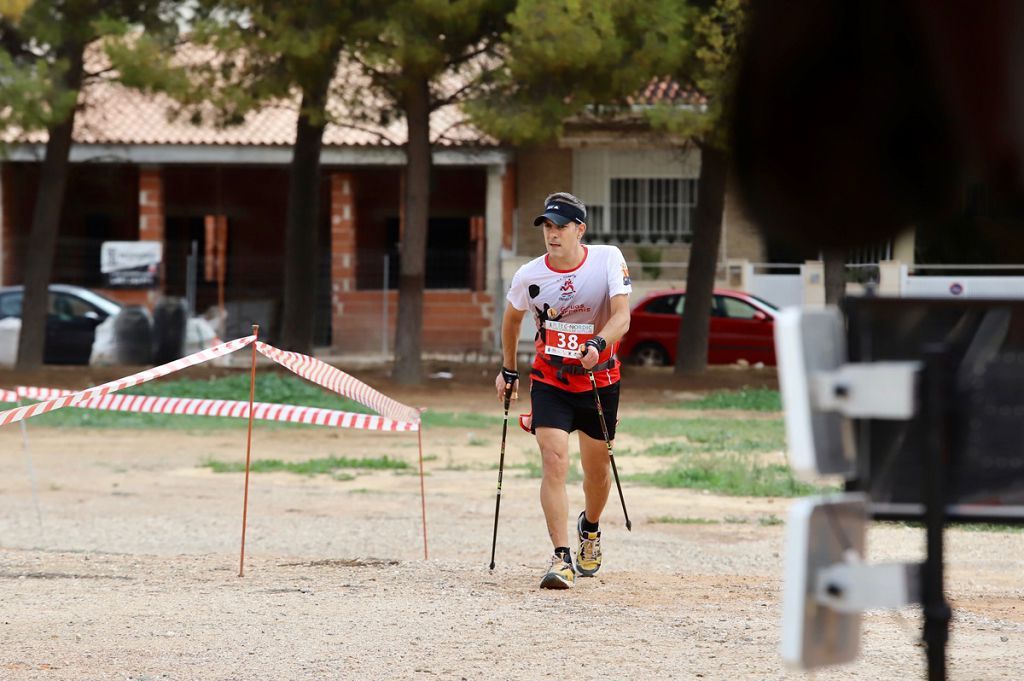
[132, 573]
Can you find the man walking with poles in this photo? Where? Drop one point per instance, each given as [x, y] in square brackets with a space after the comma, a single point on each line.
[579, 298]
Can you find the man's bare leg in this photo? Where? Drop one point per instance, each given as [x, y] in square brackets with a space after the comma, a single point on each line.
[597, 475]
[554, 452]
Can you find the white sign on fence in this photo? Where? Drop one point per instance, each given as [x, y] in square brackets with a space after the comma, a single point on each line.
[130, 264]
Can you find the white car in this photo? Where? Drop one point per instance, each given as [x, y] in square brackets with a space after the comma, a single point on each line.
[72, 315]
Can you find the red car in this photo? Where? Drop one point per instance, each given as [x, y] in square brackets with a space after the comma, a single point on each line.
[742, 327]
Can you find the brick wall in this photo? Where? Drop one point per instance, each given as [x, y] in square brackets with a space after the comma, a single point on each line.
[343, 249]
[151, 205]
[452, 320]
[151, 219]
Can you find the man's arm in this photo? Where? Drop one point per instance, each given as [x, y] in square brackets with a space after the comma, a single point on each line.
[510, 325]
[611, 332]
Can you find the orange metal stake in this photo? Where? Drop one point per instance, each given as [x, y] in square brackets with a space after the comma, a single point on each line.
[423, 496]
[248, 448]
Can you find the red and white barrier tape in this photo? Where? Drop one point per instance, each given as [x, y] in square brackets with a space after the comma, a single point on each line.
[339, 382]
[229, 408]
[8, 395]
[75, 398]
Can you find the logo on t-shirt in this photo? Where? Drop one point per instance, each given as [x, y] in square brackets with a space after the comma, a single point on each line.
[568, 289]
[626, 281]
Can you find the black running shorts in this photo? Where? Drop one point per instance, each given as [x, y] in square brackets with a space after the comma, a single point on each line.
[556, 408]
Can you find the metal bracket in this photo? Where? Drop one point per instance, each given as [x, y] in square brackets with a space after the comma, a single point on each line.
[882, 390]
[854, 587]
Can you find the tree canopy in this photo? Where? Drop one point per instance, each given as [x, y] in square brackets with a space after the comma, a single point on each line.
[563, 57]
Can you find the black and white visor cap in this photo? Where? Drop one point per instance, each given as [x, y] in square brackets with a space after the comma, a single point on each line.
[560, 213]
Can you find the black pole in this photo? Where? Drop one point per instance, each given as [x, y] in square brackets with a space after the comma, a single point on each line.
[608, 444]
[936, 393]
[501, 468]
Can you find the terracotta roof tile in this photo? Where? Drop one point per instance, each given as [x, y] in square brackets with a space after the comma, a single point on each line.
[113, 114]
[667, 91]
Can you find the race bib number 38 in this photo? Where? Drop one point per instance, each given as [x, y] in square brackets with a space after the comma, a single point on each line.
[566, 340]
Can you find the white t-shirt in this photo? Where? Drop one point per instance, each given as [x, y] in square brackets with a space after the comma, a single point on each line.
[572, 305]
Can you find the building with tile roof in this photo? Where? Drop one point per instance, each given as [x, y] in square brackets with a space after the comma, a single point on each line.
[139, 174]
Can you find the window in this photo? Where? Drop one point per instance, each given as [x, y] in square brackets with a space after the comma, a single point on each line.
[734, 308]
[69, 307]
[646, 196]
[10, 305]
[664, 305]
[651, 210]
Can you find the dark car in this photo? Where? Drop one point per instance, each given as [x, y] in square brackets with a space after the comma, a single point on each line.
[742, 328]
[72, 315]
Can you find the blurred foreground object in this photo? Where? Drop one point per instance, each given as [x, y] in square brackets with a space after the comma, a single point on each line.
[856, 120]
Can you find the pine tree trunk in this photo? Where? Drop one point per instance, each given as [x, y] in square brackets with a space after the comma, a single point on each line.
[302, 259]
[45, 226]
[692, 346]
[412, 279]
[835, 277]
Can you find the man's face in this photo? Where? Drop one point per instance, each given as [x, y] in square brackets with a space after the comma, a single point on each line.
[562, 239]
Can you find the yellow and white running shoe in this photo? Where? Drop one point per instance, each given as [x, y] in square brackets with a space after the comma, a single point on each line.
[588, 556]
[559, 575]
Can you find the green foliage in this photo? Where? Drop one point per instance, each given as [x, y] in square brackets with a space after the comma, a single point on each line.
[41, 53]
[716, 35]
[650, 260]
[564, 56]
[731, 475]
[244, 54]
[12, 10]
[326, 465]
[748, 399]
[452, 46]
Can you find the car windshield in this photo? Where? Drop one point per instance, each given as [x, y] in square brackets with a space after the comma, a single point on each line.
[108, 305]
[770, 306]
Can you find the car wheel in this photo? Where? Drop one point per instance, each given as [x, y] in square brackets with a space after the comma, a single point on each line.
[649, 355]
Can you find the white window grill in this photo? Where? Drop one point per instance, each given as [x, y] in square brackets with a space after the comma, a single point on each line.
[645, 210]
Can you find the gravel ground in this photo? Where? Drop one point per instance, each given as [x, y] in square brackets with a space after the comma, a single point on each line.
[132, 572]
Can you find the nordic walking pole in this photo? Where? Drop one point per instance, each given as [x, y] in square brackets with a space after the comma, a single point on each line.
[501, 468]
[608, 443]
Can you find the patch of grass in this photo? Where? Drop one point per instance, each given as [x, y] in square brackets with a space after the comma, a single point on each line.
[731, 475]
[658, 450]
[708, 435]
[747, 399]
[447, 419]
[326, 465]
[474, 441]
[770, 521]
[966, 527]
[673, 520]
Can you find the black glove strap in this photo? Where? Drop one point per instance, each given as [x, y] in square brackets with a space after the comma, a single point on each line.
[510, 376]
[597, 343]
